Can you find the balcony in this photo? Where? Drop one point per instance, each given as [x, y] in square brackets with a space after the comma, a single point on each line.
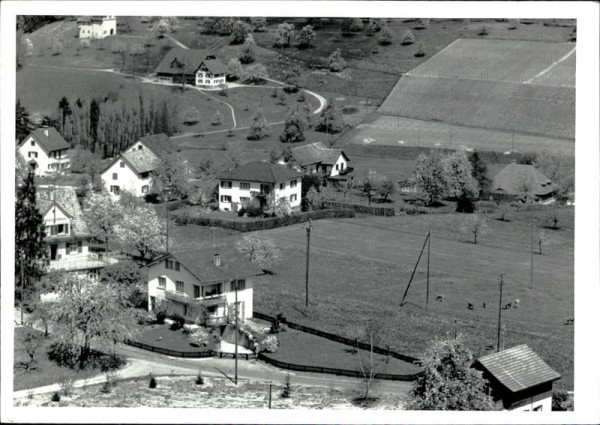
[185, 299]
[88, 262]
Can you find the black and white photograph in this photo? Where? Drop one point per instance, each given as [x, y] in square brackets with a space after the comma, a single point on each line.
[287, 212]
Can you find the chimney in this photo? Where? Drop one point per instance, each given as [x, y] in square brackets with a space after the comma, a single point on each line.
[46, 131]
[217, 260]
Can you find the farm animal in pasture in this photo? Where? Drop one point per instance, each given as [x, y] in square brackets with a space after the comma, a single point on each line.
[484, 305]
[439, 298]
[470, 306]
[516, 303]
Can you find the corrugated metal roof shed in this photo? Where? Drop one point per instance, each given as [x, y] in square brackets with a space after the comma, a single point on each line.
[518, 368]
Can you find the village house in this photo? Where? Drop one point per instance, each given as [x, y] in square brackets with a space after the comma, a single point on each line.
[522, 180]
[317, 158]
[194, 67]
[67, 234]
[188, 282]
[96, 27]
[519, 380]
[45, 151]
[132, 170]
[237, 188]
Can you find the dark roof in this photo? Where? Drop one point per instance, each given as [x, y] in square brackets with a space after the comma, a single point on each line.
[518, 368]
[200, 263]
[511, 179]
[66, 198]
[191, 59]
[51, 142]
[263, 172]
[159, 143]
[215, 66]
[316, 153]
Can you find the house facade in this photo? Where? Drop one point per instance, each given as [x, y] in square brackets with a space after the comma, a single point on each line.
[132, 170]
[519, 380]
[67, 235]
[96, 27]
[193, 67]
[191, 282]
[45, 152]
[317, 158]
[239, 187]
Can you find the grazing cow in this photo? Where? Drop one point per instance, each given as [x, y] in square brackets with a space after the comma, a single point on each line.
[570, 322]
[439, 298]
[470, 306]
[516, 303]
[483, 305]
[507, 306]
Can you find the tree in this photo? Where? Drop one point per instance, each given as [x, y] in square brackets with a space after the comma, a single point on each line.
[65, 110]
[30, 234]
[504, 209]
[24, 126]
[217, 118]
[83, 315]
[170, 179]
[369, 367]
[101, 214]
[192, 116]
[84, 161]
[553, 218]
[448, 381]
[258, 24]
[57, 46]
[387, 37]
[141, 231]
[21, 168]
[292, 77]
[316, 198]
[234, 69]
[127, 278]
[295, 126]
[330, 120]
[407, 38]
[240, 32]
[31, 344]
[429, 176]
[336, 62]
[458, 172]
[306, 36]
[277, 207]
[422, 24]
[352, 25]
[374, 25]
[479, 172]
[476, 225]
[284, 34]
[255, 74]
[386, 187]
[369, 185]
[420, 49]
[224, 26]
[262, 252]
[209, 25]
[248, 54]
[258, 126]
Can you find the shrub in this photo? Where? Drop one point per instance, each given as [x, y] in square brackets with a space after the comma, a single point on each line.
[106, 388]
[407, 38]
[199, 378]
[267, 343]
[153, 383]
[420, 50]
[561, 401]
[178, 322]
[161, 316]
[287, 387]
[55, 397]
[482, 31]
[217, 118]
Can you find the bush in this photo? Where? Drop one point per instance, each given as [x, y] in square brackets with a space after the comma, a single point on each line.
[407, 38]
[55, 397]
[199, 378]
[561, 401]
[287, 387]
[153, 383]
[420, 50]
[106, 387]
[161, 316]
[178, 322]
[464, 205]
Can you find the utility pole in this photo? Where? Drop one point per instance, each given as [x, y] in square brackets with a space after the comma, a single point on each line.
[308, 228]
[236, 332]
[22, 289]
[270, 390]
[167, 244]
[500, 310]
[428, 257]
[419, 137]
[531, 254]
[513, 141]
[450, 136]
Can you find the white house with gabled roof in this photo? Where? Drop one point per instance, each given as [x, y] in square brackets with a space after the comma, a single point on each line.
[45, 151]
[317, 158]
[97, 27]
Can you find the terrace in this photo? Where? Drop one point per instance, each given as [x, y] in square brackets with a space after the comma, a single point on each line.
[88, 262]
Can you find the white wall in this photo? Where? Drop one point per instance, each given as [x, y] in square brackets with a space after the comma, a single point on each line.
[99, 30]
[208, 79]
[545, 404]
[236, 193]
[43, 159]
[341, 165]
[127, 179]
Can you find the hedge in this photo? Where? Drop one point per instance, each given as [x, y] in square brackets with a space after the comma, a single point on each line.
[364, 209]
[263, 223]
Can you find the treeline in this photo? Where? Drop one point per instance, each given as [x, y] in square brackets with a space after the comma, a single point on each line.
[30, 23]
[108, 126]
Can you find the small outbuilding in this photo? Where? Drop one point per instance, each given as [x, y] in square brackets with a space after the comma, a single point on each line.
[518, 379]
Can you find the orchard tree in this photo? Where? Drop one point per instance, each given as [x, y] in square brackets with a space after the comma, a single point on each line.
[234, 69]
[429, 176]
[317, 197]
[292, 77]
[330, 120]
[277, 207]
[336, 62]
[192, 116]
[374, 25]
[240, 32]
[24, 126]
[449, 382]
[140, 230]
[255, 74]
[420, 50]
[351, 26]
[476, 225]
[458, 171]
[306, 37]
[217, 118]
[369, 185]
[386, 187]
[295, 127]
[284, 34]
[101, 213]
[260, 251]
[248, 54]
[258, 24]
[258, 127]
[407, 38]
[387, 37]
[170, 179]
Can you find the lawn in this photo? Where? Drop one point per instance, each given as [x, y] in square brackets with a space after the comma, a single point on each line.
[360, 269]
[219, 393]
[330, 354]
[46, 371]
[162, 336]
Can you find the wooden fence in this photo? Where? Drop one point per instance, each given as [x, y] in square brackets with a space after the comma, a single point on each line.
[188, 354]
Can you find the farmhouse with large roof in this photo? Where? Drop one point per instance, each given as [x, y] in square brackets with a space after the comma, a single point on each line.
[317, 158]
[186, 282]
[45, 151]
[522, 179]
[132, 170]
[194, 67]
[238, 187]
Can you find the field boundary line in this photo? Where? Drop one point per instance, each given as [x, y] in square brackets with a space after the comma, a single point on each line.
[565, 57]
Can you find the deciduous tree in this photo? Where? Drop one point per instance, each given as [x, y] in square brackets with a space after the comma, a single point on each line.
[258, 127]
[258, 24]
[101, 214]
[234, 69]
[248, 53]
[316, 198]
[140, 230]
[476, 225]
[284, 34]
[369, 366]
[294, 129]
[330, 120]
[240, 32]
[336, 62]
[170, 179]
[255, 74]
[261, 251]
[386, 187]
[449, 382]
[306, 37]
[192, 116]
[407, 38]
[429, 176]
[387, 37]
[458, 171]
[351, 26]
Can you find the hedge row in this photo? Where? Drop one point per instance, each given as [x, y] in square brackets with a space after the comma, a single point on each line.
[262, 223]
[364, 209]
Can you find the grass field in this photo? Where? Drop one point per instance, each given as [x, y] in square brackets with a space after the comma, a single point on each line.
[163, 337]
[360, 269]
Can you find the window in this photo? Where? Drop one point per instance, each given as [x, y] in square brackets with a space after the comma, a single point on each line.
[177, 266]
[212, 309]
[140, 147]
[244, 185]
[226, 184]
[265, 188]
[169, 264]
[293, 183]
[337, 167]
[293, 197]
[162, 282]
[240, 284]
[115, 176]
[114, 189]
[32, 143]
[342, 166]
[32, 155]
[225, 198]
[281, 186]
[179, 286]
[196, 291]
[145, 188]
[186, 310]
[122, 164]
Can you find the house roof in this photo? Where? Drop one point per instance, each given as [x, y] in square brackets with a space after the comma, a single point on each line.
[66, 199]
[141, 160]
[316, 153]
[191, 59]
[263, 172]
[51, 142]
[512, 177]
[518, 368]
[234, 265]
[215, 66]
[158, 143]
